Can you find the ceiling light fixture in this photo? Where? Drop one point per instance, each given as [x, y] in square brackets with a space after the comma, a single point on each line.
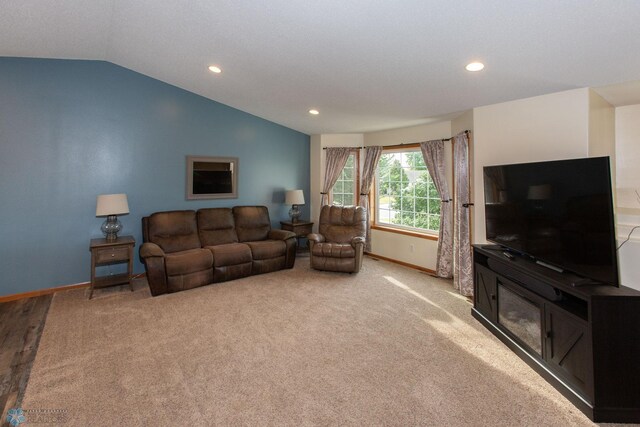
[314, 112]
[474, 66]
[215, 69]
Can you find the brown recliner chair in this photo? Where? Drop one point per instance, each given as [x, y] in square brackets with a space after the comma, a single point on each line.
[339, 244]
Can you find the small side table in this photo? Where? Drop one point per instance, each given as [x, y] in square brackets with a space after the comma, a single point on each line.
[301, 228]
[114, 252]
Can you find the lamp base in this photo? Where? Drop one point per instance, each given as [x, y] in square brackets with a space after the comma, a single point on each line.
[294, 213]
[111, 227]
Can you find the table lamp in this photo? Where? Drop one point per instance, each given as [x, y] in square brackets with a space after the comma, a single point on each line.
[111, 205]
[294, 198]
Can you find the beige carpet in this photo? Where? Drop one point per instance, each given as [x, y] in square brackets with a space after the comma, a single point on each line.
[388, 346]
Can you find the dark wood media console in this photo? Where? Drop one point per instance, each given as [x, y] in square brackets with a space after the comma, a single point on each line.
[584, 340]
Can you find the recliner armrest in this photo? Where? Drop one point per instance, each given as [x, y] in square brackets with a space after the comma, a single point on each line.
[148, 250]
[281, 234]
[358, 240]
[316, 237]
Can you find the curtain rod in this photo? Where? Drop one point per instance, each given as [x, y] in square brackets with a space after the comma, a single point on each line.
[412, 143]
[398, 145]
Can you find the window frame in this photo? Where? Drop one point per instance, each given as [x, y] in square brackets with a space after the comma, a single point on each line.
[373, 203]
[356, 171]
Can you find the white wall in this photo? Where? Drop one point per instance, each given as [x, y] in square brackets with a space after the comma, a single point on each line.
[548, 127]
[462, 123]
[316, 176]
[627, 127]
[628, 158]
[602, 140]
[409, 135]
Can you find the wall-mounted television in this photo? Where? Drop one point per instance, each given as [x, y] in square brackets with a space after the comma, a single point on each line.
[558, 212]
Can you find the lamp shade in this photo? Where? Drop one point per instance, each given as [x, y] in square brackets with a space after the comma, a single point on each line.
[112, 204]
[294, 197]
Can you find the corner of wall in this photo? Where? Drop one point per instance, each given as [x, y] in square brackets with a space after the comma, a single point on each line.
[602, 132]
[462, 123]
[315, 160]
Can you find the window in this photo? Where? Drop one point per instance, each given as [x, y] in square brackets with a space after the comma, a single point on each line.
[406, 197]
[345, 190]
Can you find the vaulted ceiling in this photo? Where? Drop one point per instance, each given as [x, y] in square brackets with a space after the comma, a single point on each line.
[365, 65]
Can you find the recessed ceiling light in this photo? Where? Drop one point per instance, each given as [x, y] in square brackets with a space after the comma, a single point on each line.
[474, 66]
[215, 69]
[314, 112]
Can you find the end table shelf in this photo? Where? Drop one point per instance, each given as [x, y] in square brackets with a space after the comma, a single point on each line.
[105, 252]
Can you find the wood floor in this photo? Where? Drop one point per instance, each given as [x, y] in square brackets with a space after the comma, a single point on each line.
[21, 325]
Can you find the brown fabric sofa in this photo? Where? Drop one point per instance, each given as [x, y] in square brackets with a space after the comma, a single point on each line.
[339, 243]
[187, 249]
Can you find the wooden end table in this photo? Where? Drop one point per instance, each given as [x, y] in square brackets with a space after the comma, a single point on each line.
[301, 228]
[104, 252]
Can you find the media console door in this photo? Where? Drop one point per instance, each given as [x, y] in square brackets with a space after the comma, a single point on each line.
[486, 300]
[568, 349]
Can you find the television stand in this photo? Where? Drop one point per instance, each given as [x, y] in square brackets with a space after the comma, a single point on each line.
[584, 340]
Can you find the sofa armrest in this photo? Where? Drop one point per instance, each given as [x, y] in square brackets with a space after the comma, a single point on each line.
[316, 237]
[357, 241]
[150, 249]
[153, 258]
[281, 234]
[291, 244]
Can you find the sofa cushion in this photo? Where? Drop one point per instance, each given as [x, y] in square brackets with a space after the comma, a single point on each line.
[216, 226]
[183, 282]
[231, 272]
[267, 249]
[261, 266]
[173, 231]
[333, 250]
[252, 223]
[230, 254]
[186, 262]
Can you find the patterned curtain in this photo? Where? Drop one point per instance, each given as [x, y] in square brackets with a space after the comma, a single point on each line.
[372, 155]
[462, 259]
[433, 154]
[335, 160]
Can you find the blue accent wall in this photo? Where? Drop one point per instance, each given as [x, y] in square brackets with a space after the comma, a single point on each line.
[70, 130]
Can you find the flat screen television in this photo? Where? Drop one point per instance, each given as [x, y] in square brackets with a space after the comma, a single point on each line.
[558, 212]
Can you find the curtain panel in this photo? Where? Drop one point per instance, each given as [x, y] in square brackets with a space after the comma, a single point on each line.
[433, 154]
[372, 155]
[336, 158]
[462, 258]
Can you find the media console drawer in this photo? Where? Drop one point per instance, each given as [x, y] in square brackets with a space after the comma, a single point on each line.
[581, 342]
